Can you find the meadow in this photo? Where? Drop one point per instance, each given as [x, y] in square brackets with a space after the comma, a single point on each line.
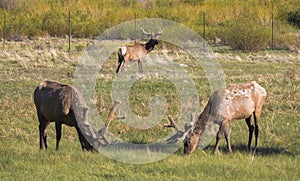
[23, 65]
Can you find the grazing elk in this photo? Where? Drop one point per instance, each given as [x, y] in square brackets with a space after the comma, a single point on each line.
[137, 51]
[225, 105]
[64, 104]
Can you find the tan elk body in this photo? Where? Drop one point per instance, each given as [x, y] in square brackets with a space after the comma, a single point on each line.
[137, 51]
[240, 101]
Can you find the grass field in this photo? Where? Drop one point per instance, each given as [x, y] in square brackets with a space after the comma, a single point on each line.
[24, 65]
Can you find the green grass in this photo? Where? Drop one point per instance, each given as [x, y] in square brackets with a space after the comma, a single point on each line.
[277, 157]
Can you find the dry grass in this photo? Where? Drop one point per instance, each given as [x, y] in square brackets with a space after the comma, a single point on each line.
[23, 66]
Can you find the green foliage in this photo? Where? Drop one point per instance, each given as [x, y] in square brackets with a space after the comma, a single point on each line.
[193, 2]
[293, 18]
[289, 12]
[54, 22]
[92, 17]
[287, 42]
[9, 4]
[246, 34]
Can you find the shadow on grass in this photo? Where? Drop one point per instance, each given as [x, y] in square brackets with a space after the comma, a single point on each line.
[141, 146]
[263, 151]
[178, 150]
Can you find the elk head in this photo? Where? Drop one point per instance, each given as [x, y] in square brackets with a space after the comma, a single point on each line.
[99, 138]
[153, 38]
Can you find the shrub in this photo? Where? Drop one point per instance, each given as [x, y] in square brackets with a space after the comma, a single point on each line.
[293, 18]
[288, 41]
[55, 23]
[246, 34]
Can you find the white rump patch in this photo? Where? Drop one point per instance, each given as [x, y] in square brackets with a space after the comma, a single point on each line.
[123, 50]
[42, 85]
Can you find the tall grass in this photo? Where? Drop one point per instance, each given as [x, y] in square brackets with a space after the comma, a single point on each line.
[91, 17]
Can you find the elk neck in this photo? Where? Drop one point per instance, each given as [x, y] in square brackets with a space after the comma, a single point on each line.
[151, 44]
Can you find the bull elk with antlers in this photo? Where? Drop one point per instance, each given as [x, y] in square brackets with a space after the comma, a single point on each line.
[137, 51]
[64, 104]
[240, 101]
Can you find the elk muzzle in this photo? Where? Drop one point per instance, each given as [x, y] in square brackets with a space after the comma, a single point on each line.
[190, 145]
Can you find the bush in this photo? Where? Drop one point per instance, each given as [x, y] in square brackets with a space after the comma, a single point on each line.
[293, 18]
[288, 41]
[55, 23]
[245, 34]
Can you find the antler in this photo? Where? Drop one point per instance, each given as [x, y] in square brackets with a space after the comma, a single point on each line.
[157, 35]
[179, 135]
[102, 132]
[191, 123]
[147, 33]
[172, 124]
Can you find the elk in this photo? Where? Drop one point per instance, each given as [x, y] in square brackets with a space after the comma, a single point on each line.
[240, 101]
[137, 51]
[64, 104]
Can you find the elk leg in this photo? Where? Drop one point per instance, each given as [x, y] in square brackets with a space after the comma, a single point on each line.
[120, 63]
[58, 133]
[256, 135]
[43, 137]
[251, 128]
[123, 66]
[256, 120]
[120, 59]
[140, 66]
[227, 136]
[80, 138]
[219, 135]
[42, 130]
[85, 145]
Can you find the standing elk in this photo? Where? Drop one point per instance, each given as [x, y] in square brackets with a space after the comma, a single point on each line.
[64, 104]
[137, 51]
[225, 105]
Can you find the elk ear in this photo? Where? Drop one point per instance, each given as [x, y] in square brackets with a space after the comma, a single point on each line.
[66, 99]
